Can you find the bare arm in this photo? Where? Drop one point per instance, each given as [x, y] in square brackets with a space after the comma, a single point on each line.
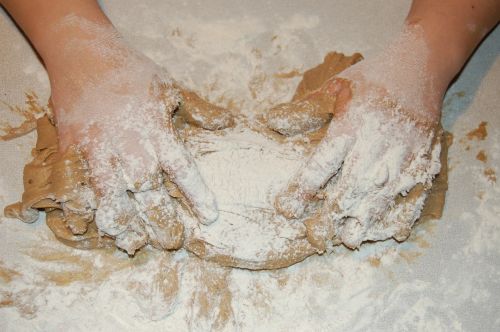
[383, 140]
[115, 105]
[65, 35]
[453, 29]
[41, 20]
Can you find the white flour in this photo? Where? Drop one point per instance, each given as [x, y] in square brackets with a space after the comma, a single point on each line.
[380, 287]
[245, 170]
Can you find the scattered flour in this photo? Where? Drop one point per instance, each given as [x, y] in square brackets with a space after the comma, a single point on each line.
[47, 286]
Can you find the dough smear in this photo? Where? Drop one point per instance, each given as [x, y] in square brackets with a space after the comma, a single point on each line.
[245, 164]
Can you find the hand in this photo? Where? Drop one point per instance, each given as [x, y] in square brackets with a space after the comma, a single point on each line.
[117, 110]
[382, 142]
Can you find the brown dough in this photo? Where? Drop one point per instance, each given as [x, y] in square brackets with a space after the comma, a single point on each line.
[333, 64]
[59, 183]
[296, 252]
[304, 114]
[319, 230]
[200, 113]
[29, 114]
[54, 182]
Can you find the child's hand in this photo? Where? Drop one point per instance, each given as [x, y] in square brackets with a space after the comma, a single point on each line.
[381, 143]
[117, 110]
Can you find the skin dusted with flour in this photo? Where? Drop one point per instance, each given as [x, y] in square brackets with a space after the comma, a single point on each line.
[235, 163]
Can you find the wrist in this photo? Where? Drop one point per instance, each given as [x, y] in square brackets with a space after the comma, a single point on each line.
[407, 69]
[73, 39]
[446, 52]
[452, 29]
[53, 27]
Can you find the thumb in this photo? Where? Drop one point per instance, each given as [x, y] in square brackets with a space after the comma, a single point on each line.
[311, 112]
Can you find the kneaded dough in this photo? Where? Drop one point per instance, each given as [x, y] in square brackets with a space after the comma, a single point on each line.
[247, 234]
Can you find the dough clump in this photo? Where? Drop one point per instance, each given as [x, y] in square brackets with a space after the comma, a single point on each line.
[253, 236]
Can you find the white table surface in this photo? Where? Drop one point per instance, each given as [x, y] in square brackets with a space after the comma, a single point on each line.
[448, 281]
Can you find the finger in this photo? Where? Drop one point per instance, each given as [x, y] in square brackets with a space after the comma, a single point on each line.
[113, 214]
[311, 112]
[298, 117]
[79, 202]
[319, 229]
[139, 167]
[163, 90]
[328, 156]
[144, 179]
[117, 217]
[341, 90]
[177, 162]
[105, 177]
[360, 195]
[395, 220]
[134, 238]
[157, 210]
[77, 223]
[201, 113]
[367, 190]
[400, 218]
[325, 161]
[113, 208]
[420, 200]
[181, 169]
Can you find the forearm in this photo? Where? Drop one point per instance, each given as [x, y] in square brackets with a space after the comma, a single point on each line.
[48, 24]
[453, 29]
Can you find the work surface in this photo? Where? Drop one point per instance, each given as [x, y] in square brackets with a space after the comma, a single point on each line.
[445, 277]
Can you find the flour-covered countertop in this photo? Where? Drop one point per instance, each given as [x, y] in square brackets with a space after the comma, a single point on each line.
[446, 277]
